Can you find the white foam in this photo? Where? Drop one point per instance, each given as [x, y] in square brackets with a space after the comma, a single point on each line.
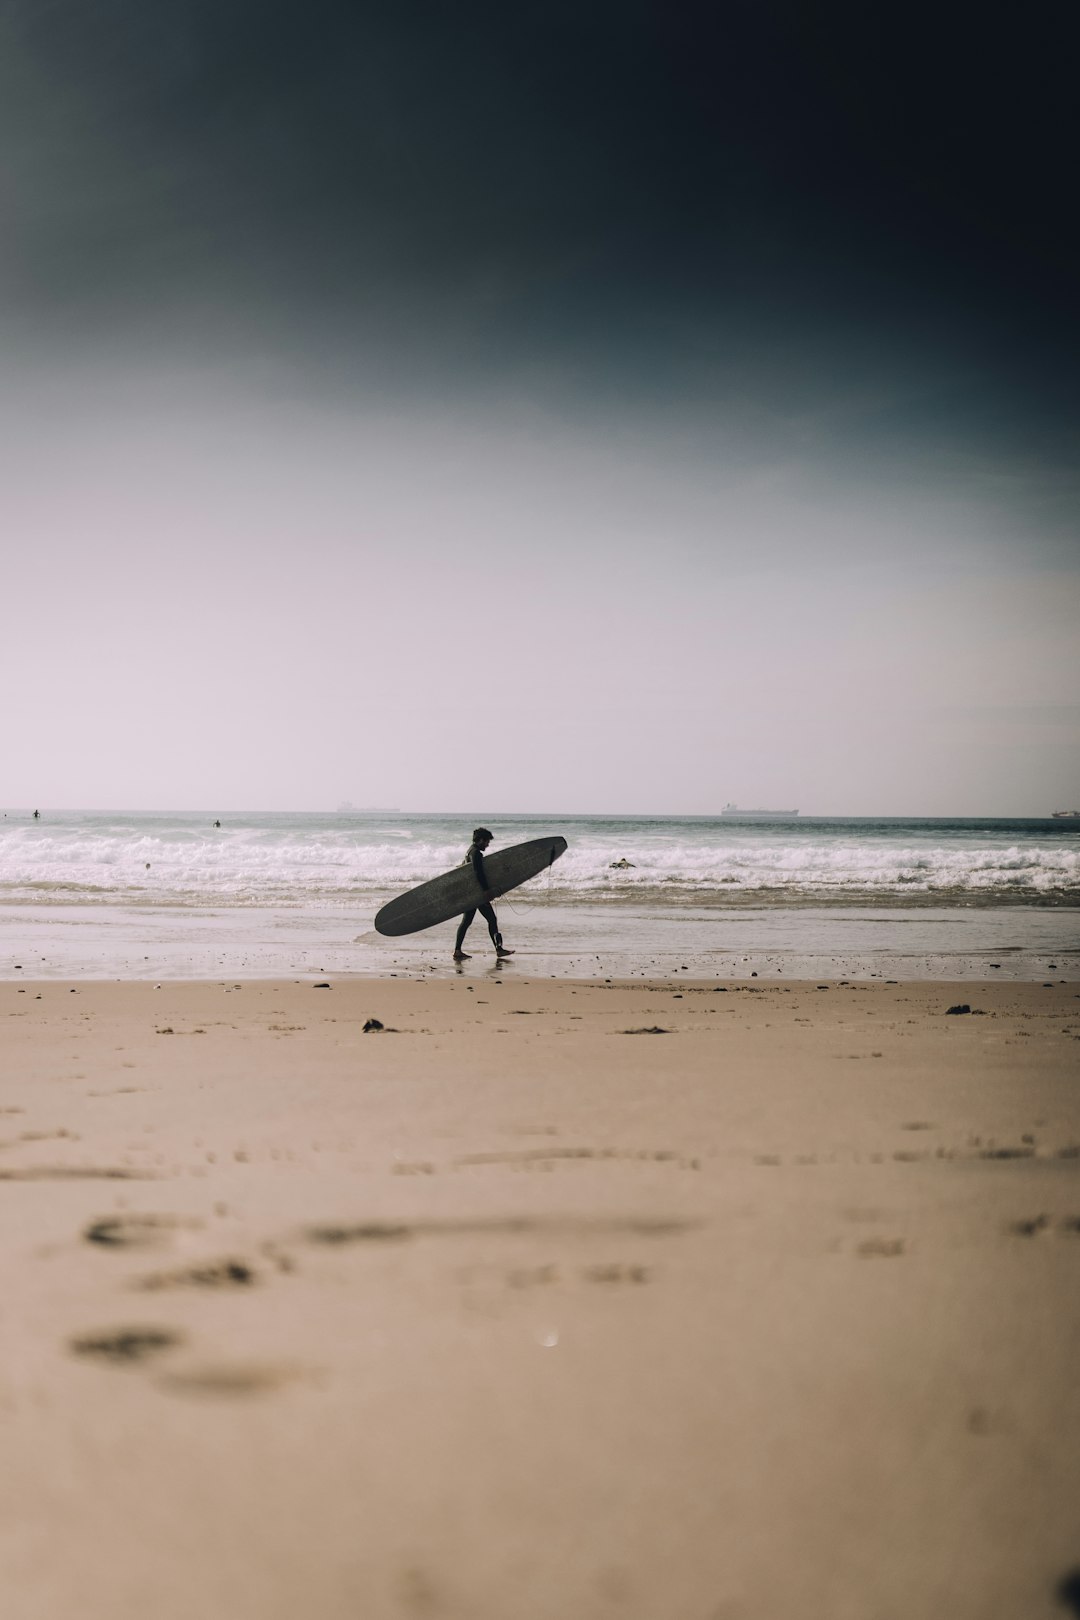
[304, 860]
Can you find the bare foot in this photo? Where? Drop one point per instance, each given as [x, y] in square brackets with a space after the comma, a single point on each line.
[462, 956]
[501, 950]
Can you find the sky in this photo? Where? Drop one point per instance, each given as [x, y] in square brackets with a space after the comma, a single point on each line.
[610, 407]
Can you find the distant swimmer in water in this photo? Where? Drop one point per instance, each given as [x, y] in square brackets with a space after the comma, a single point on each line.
[481, 838]
[37, 815]
[217, 823]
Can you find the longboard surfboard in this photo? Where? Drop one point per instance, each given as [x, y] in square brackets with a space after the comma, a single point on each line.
[451, 893]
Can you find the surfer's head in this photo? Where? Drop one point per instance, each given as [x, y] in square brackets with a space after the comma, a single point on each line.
[481, 836]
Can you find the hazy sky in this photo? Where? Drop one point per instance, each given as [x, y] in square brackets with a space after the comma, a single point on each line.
[611, 406]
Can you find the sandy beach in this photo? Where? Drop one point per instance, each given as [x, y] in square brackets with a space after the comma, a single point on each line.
[680, 1301]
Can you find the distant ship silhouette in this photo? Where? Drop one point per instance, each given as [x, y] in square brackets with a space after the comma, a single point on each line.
[759, 815]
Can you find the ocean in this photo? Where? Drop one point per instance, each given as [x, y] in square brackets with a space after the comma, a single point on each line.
[117, 894]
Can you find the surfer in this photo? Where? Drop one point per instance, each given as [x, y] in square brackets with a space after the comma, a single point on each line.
[481, 838]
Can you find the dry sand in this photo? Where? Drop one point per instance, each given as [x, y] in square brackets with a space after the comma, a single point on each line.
[503, 1313]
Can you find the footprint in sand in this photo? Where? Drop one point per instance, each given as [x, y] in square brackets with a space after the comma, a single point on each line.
[1069, 1225]
[136, 1231]
[41, 1136]
[210, 1274]
[76, 1172]
[364, 1232]
[124, 1347]
[545, 1276]
[418, 1592]
[232, 1378]
[507, 1225]
[542, 1158]
[616, 1273]
[532, 1276]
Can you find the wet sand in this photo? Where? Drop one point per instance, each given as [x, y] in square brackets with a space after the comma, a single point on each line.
[546, 1300]
[617, 940]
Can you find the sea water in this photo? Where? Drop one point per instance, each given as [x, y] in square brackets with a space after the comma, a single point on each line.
[129, 894]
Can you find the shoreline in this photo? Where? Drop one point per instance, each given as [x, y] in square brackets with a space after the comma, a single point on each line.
[645, 899]
[110, 942]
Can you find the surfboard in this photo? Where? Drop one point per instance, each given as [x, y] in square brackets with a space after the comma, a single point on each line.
[451, 893]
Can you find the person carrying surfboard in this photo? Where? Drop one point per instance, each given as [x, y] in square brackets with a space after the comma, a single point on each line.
[481, 838]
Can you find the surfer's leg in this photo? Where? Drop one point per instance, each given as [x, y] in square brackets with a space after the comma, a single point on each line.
[488, 914]
[463, 929]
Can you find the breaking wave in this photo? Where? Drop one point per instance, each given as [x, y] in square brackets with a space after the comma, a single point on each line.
[343, 860]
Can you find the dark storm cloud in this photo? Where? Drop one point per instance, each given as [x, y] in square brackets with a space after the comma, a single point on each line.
[741, 149]
[639, 201]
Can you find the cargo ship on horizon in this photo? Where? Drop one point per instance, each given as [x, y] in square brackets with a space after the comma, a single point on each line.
[758, 815]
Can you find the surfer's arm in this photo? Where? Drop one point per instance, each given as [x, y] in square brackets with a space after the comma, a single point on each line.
[481, 875]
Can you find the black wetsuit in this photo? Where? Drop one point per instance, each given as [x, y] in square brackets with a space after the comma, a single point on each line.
[475, 859]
